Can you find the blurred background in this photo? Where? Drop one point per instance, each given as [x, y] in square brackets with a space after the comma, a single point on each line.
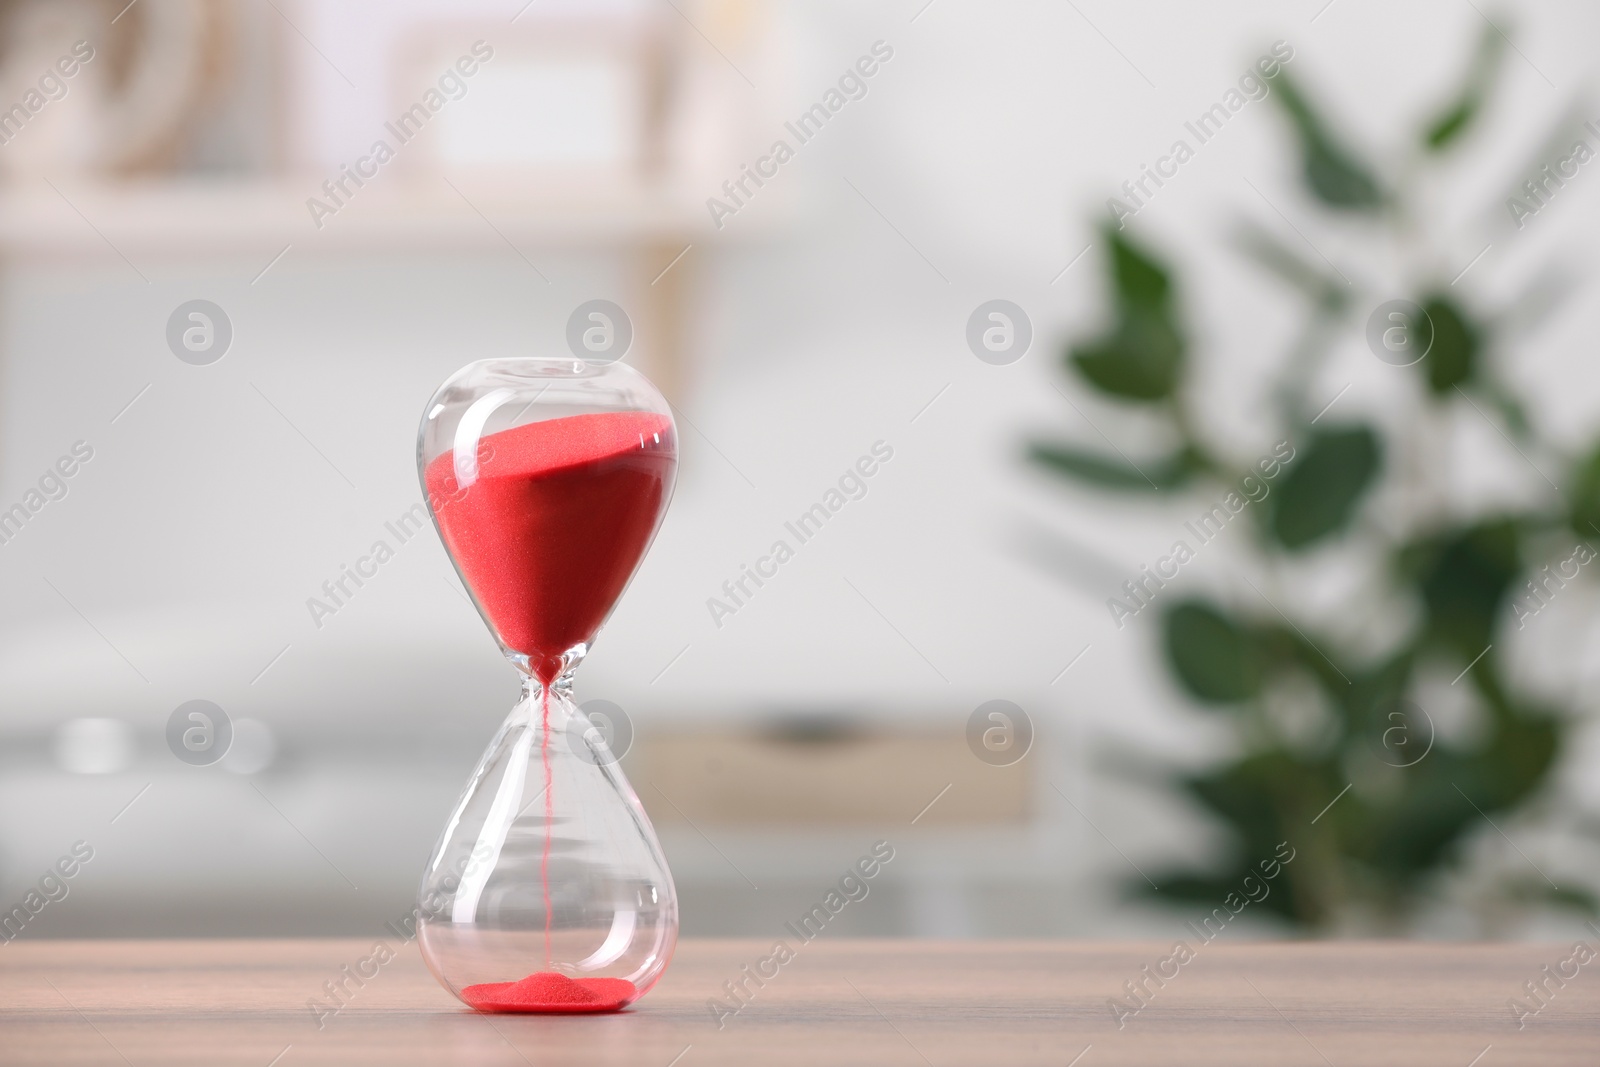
[1305, 673]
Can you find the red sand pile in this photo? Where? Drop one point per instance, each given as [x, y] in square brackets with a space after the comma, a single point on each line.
[551, 992]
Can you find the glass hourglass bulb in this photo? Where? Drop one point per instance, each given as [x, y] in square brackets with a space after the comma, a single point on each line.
[547, 480]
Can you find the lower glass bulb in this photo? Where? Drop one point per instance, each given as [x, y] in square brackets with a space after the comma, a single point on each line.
[548, 891]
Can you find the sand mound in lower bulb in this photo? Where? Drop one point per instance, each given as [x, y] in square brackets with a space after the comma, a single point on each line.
[554, 993]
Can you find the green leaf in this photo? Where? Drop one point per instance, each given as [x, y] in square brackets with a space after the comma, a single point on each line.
[1584, 498]
[1265, 800]
[1141, 357]
[1140, 282]
[1141, 360]
[1331, 172]
[1373, 703]
[1519, 757]
[1456, 118]
[1169, 472]
[1464, 577]
[1216, 659]
[1453, 357]
[1284, 644]
[1447, 795]
[1258, 798]
[1414, 831]
[1321, 489]
[1337, 179]
[1452, 123]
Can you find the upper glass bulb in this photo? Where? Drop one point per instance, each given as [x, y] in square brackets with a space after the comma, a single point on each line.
[547, 479]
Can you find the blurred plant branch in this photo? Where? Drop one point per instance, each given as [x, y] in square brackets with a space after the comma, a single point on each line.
[1377, 853]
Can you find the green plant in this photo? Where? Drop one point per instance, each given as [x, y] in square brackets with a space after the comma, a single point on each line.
[1378, 851]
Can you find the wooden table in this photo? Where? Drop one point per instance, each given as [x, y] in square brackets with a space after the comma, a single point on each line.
[837, 1002]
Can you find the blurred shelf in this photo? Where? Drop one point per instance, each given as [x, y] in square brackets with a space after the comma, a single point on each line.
[393, 213]
[260, 221]
[734, 779]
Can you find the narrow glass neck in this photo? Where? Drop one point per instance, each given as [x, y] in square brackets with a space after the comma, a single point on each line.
[561, 688]
[559, 674]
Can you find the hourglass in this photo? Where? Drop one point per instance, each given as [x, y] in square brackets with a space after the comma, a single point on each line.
[547, 480]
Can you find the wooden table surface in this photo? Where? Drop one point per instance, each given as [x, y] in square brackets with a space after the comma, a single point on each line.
[837, 1002]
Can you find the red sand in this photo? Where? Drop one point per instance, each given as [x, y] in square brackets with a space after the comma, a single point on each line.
[551, 992]
[558, 519]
